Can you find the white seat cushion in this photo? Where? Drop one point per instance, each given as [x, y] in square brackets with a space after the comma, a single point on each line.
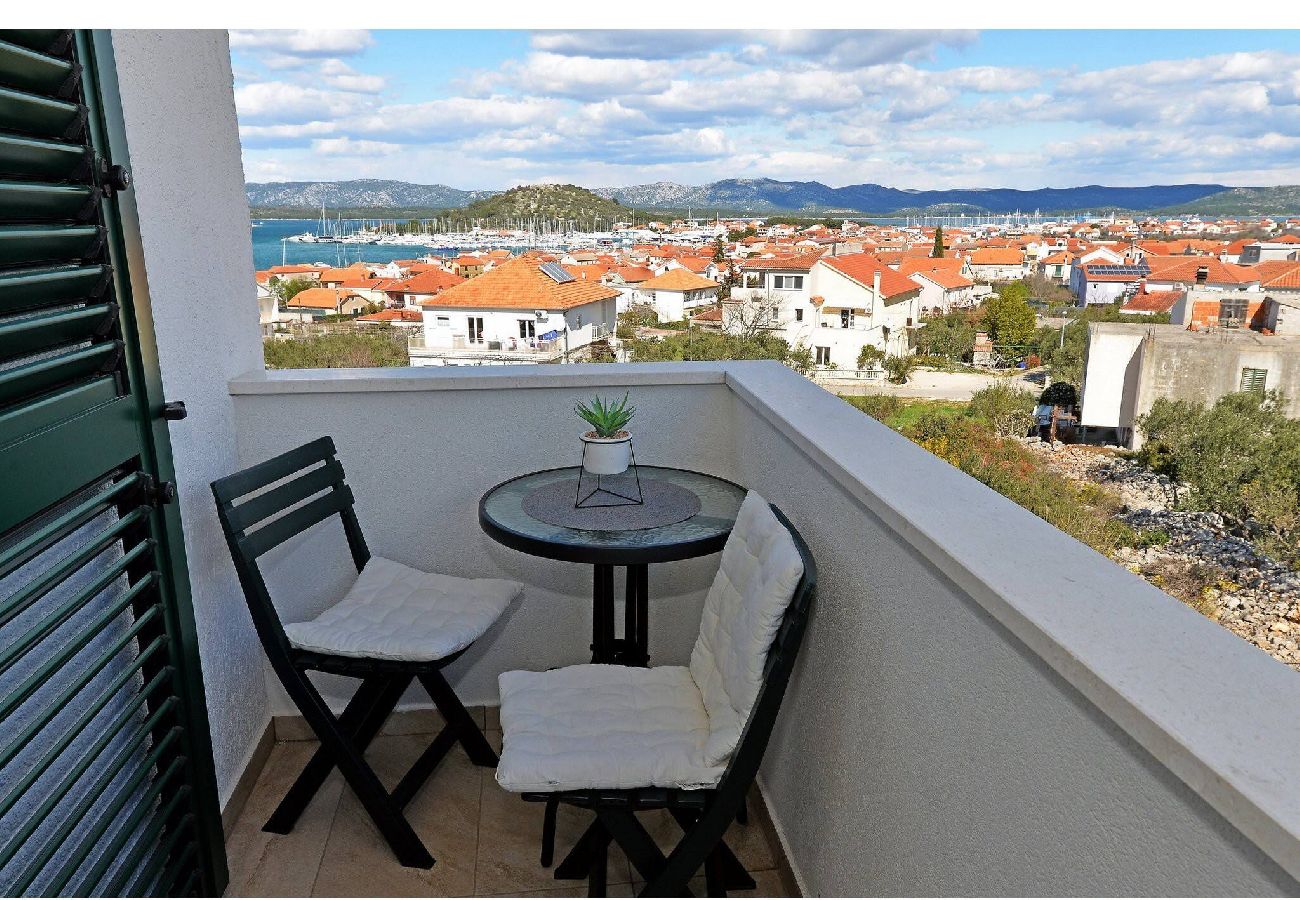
[595, 726]
[756, 580]
[395, 612]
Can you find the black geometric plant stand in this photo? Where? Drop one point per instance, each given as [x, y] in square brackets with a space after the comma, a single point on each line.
[602, 496]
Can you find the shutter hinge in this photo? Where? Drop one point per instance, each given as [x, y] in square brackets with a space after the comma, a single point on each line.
[157, 492]
[112, 178]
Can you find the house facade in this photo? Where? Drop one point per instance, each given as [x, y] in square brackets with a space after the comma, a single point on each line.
[678, 291]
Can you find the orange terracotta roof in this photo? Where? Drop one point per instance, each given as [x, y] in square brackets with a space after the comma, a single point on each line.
[911, 265]
[351, 272]
[1056, 259]
[296, 270]
[862, 268]
[712, 314]
[799, 263]
[678, 280]
[1280, 273]
[1184, 269]
[393, 315]
[434, 281]
[319, 298]
[997, 256]
[949, 281]
[695, 263]
[634, 274]
[1152, 301]
[521, 284]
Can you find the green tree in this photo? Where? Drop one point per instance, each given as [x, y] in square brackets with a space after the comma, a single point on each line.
[951, 335]
[719, 251]
[695, 344]
[286, 289]
[869, 356]
[1010, 320]
[898, 368]
[1060, 393]
[937, 252]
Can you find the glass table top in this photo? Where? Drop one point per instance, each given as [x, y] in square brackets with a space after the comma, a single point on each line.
[502, 515]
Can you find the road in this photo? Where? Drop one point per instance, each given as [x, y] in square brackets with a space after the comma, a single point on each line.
[931, 385]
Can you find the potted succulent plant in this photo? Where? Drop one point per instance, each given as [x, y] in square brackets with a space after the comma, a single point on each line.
[608, 445]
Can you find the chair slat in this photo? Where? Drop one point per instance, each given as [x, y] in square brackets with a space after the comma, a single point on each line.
[254, 510]
[277, 532]
[232, 487]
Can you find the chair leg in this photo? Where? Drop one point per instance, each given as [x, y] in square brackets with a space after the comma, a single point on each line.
[365, 714]
[598, 875]
[471, 737]
[578, 862]
[715, 878]
[736, 876]
[742, 814]
[548, 832]
[387, 816]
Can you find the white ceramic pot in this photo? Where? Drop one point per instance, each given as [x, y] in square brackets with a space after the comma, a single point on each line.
[606, 456]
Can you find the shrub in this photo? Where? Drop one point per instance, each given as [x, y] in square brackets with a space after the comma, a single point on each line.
[1008, 410]
[869, 356]
[1060, 393]
[899, 367]
[878, 406]
[375, 348]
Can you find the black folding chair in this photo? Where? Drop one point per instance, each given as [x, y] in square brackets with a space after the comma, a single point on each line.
[704, 815]
[268, 519]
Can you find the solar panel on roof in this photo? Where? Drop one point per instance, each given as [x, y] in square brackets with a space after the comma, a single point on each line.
[557, 272]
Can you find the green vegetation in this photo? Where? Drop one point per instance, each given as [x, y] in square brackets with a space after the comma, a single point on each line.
[1008, 410]
[285, 289]
[951, 336]
[870, 356]
[694, 344]
[1060, 393]
[898, 368]
[937, 251]
[638, 315]
[964, 435]
[377, 347]
[564, 202]
[1009, 319]
[606, 417]
[1279, 200]
[1241, 458]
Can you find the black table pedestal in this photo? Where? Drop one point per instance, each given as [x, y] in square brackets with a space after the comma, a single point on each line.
[632, 649]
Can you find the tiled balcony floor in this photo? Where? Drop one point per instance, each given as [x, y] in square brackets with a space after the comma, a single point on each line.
[485, 840]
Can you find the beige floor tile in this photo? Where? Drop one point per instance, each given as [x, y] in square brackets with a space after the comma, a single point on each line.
[492, 717]
[746, 841]
[280, 865]
[445, 814]
[579, 889]
[510, 840]
[766, 884]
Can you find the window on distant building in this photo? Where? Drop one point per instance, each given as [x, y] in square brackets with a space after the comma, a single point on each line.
[798, 315]
[444, 321]
[475, 330]
[1232, 312]
[787, 282]
[753, 279]
[1252, 380]
[846, 318]
[823, 356]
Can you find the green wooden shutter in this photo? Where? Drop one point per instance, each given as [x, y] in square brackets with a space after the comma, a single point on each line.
[1253, 380]
[106, 781]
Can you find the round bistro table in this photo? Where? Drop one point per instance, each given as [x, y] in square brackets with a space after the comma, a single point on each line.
[502, 516]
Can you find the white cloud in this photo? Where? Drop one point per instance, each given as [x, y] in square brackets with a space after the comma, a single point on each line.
[280, 102]
[302, 42]
[346, 146]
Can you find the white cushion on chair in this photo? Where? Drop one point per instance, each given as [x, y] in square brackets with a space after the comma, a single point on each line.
[603, 726]
[760, 570]
[395, 612]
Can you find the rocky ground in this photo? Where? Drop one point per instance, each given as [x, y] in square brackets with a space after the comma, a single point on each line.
[1198, 557]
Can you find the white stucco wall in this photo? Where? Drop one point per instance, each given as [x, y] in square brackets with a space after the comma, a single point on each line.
[178, 104]
[1110, 378]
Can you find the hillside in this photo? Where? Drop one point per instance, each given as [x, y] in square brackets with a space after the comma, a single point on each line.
[547, 202]
[366, 193]
[757, 196]
[1282, 200]
[765, 195]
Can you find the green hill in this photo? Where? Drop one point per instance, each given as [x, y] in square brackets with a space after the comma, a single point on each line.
[546, 203]
[1280, 200]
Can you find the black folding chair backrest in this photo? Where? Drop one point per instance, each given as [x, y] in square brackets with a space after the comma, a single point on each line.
[256, 520]
[743, 767]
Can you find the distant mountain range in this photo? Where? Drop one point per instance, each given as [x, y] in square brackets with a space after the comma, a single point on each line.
[760, 196]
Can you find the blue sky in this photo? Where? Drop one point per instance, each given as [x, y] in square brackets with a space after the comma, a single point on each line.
[909, 109]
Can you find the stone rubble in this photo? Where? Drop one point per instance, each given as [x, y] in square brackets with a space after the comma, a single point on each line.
[1207, 562]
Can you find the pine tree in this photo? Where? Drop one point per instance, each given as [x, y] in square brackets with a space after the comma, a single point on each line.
[937, 252]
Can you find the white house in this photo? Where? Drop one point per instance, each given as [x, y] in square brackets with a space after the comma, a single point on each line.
[835, 305]
[991, 264]
[678, 290]
[627, 280]
[522, 311]
[943, 290]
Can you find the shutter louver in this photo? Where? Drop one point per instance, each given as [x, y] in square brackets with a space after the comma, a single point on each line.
[105, 782]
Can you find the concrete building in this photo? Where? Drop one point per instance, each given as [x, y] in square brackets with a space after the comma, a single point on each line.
[1129, 366]
[677, 291]
[1265, 251]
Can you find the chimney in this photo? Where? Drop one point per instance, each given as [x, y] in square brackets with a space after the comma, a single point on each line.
[875, 286]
